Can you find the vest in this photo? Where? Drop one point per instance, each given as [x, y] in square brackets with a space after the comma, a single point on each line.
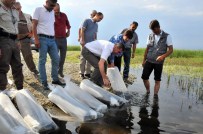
[158, 49]
[29, 22]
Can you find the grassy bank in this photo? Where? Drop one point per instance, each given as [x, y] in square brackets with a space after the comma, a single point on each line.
[181, 62]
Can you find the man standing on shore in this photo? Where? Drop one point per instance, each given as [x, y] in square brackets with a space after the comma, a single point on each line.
[94, 12]
[9, 50]
[24, 36]
[159, 46]
[88, 33]
[61, 25]
[127, 53]
[43, 29]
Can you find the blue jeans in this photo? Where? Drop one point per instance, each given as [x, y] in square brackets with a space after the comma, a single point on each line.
[126, 57]
[48, 46]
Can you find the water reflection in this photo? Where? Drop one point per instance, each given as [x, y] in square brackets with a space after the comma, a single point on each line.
[62, 130]
[116, 121]
[149, 122]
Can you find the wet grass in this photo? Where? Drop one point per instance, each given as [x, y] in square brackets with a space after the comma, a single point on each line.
[181, 62]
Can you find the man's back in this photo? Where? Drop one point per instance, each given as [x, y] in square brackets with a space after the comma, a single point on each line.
[100, 47]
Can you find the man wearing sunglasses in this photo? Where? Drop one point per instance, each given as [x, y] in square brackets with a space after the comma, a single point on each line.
[159, 46]
[43, 29]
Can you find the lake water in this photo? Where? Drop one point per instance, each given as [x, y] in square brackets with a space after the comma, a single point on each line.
[178, 109]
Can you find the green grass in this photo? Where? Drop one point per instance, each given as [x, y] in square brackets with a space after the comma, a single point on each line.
[181, 62]
[73, 48]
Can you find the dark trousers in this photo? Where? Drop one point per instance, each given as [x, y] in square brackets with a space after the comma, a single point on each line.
[27, 55]
[149, 67]
[126, 57]
[93, 60]
[10, 55]
[62, 48]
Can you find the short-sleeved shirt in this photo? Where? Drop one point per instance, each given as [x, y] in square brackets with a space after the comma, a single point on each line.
[91, 29]
[46, 21]
[101, 48]
[61, 24]
[116, 39]
[134, 40]
[8, 19]
[157, 37]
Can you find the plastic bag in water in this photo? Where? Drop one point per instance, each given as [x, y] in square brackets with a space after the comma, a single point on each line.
[11, 122]
[99, 92]
[116, 80]
[70, 105]
[84, 97]
[33, 113]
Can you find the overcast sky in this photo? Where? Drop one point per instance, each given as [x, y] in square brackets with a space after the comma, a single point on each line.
[183, 19]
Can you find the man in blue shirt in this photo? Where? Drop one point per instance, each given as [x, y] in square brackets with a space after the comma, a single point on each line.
[115, 60]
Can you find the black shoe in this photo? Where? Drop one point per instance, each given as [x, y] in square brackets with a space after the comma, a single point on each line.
[45, 86]
[58, 82]
[87, 76]
[82, 76]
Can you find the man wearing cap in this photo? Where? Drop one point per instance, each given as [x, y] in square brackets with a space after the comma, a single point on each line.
[9, 50]
[159, 46]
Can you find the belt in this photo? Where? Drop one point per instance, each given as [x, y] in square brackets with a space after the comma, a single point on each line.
[9, 35]
[46, 36]
[26, 37]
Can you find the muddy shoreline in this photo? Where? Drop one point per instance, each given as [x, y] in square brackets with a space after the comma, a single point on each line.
[34, 86]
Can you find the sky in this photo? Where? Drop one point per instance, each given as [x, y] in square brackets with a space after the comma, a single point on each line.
[182, 19]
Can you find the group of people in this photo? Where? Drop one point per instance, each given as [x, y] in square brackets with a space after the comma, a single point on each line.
[50, 28]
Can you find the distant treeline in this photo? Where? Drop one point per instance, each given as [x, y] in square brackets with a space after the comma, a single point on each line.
[177, 53]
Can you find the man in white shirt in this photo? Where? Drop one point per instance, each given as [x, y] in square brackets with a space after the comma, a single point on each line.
[97, 53]
[159, 46]
[43, 29]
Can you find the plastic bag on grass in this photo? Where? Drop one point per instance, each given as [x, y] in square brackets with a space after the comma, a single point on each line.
[116, 80]
[84, 97]
[33, 113]
[70, 105]
[11, 122]
[98, 92]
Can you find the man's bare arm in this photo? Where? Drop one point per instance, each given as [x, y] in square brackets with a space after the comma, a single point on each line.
[145, 56]
[82, 37]
[102, 71]
[34, 29]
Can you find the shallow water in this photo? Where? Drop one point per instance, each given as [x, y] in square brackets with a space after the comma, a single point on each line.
[176, 110]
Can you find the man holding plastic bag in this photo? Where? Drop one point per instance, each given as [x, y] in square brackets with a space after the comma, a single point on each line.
[97, 53]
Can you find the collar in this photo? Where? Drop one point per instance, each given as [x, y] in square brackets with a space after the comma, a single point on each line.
[46, 10]
[158, 34]
[93, 20]
[3, 6]
[58, 15]
[161, 33]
